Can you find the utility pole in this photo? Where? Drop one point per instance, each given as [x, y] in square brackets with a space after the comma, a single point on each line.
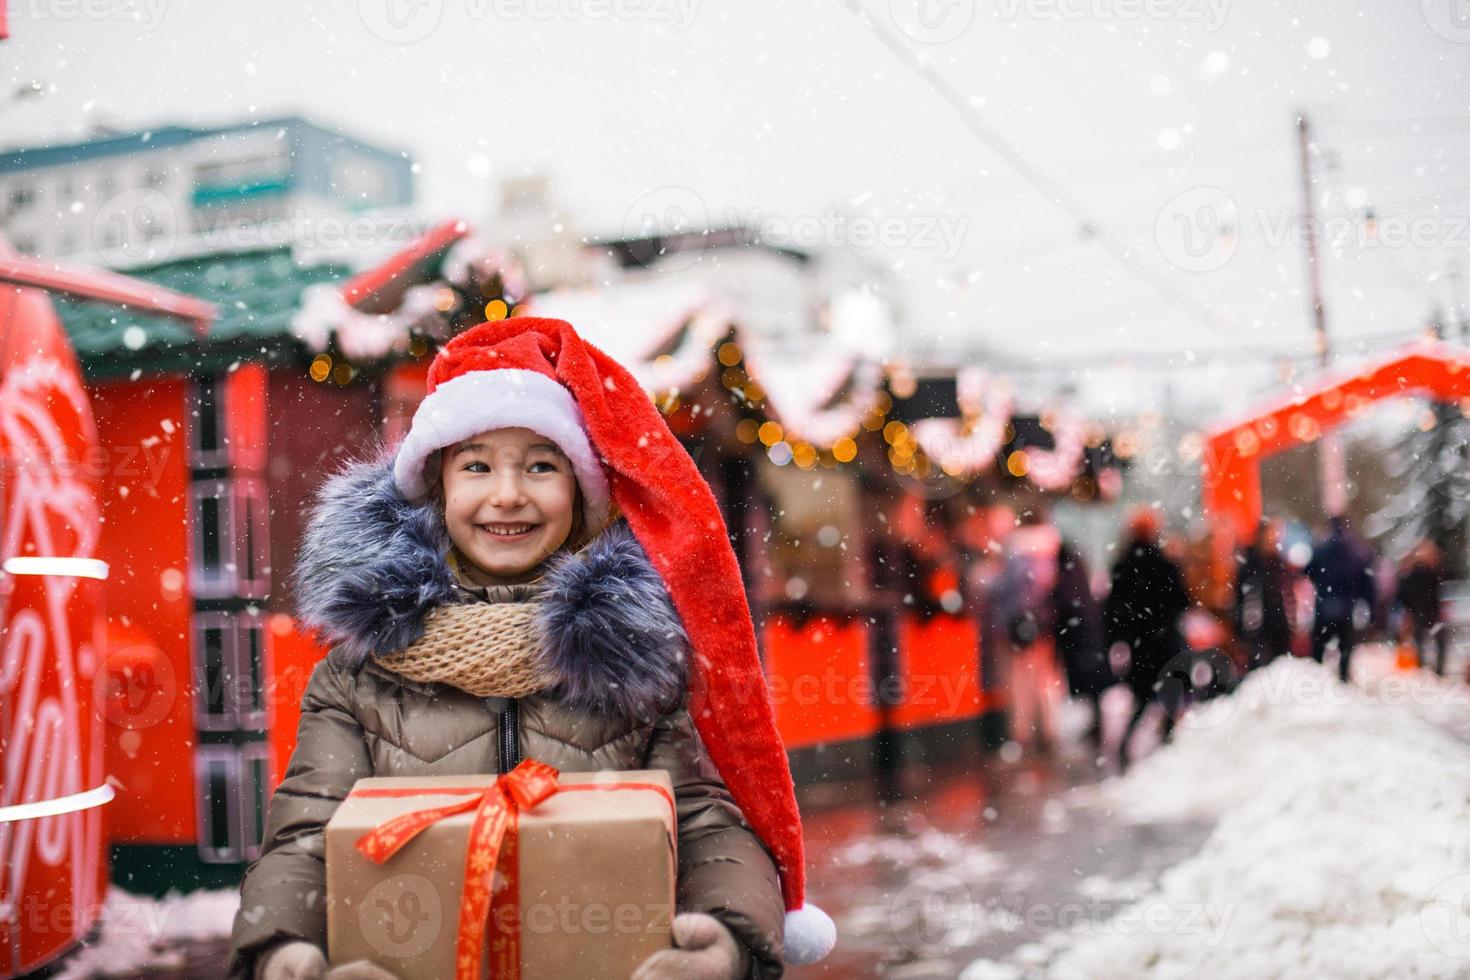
[1333, 473]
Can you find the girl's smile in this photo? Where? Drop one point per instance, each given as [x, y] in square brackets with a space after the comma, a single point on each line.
[507, 531]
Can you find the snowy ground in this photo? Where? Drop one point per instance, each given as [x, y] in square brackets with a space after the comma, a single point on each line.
[1342, 847]
[178, 935]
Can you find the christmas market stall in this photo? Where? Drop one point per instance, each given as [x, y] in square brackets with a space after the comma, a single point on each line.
[64, 672]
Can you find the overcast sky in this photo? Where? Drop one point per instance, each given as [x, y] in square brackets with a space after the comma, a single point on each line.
[1158, 120]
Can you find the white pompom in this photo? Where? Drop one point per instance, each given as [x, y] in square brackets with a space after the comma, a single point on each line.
[810, 935]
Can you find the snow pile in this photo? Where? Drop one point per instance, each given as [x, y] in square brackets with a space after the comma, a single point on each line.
[1342, 848]
[1443, 702]
[140, 932]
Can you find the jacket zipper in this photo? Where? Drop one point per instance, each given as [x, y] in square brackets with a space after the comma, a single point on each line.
[510, 739]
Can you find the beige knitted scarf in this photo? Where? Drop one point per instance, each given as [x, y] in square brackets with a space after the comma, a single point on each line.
[488, 647]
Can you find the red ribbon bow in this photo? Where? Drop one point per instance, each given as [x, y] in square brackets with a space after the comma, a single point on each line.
[492, 840]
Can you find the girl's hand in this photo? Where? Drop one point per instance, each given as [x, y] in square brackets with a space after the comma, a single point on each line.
[360, 970]
[292, 960]
[704, 949]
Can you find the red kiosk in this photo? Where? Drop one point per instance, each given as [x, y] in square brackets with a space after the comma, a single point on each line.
[54, 669]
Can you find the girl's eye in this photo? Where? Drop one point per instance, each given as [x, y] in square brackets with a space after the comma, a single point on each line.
[476, 466]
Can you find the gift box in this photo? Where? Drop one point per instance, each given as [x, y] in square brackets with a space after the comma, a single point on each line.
[535, 874]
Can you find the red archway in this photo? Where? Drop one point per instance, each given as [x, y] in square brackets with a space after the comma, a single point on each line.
[1231, 465]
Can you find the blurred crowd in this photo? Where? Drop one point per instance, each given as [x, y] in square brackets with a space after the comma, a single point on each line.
[1173, 618]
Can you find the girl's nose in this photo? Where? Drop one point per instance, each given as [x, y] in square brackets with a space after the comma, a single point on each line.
[506, 489]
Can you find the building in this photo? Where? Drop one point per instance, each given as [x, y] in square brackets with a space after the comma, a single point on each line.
[125, 199]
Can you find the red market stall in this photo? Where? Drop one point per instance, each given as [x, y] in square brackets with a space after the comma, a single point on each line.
[51, 840]
[56, 706]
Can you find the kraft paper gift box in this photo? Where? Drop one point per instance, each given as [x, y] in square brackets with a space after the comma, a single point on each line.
[583, 887]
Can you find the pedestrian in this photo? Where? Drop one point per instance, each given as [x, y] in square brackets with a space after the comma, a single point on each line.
[929, 561]
[537, 571]
[1077, 630]
[984, 565]
[1261, 587]
[1142, 611]
[1208, 567]
[1022, 606]
[1341, 571]
[1420, 588]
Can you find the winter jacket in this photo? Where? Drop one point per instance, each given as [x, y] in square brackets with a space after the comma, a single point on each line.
[1341, 570]
[1142, 610]
[1021, 601]
[616, 637]
[1078, 628]
[1419, 592]
[1260, 603]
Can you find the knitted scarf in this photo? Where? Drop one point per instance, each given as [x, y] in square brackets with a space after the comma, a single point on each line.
[487, 645]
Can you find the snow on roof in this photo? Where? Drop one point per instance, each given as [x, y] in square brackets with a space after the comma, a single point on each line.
[817, 391]
[863, 323]
[373, 313]
[1054, 469]
[815, 386]
[967, 446]
[638, 323]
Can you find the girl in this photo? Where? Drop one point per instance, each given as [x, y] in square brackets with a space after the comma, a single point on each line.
[487, 601]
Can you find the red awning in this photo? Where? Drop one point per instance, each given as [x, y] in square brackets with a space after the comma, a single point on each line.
[106, 287]
[380, 289]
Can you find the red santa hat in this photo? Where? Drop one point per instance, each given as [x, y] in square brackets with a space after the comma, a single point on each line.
[539, 374]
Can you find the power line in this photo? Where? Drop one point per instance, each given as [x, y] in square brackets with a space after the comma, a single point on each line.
[1087, 228]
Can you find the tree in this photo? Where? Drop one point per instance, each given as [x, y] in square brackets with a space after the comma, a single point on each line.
[1432, 466]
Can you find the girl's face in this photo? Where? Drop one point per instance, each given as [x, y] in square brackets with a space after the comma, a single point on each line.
[509, 502]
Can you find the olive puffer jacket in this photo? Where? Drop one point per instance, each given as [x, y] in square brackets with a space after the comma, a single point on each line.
[618, 646]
